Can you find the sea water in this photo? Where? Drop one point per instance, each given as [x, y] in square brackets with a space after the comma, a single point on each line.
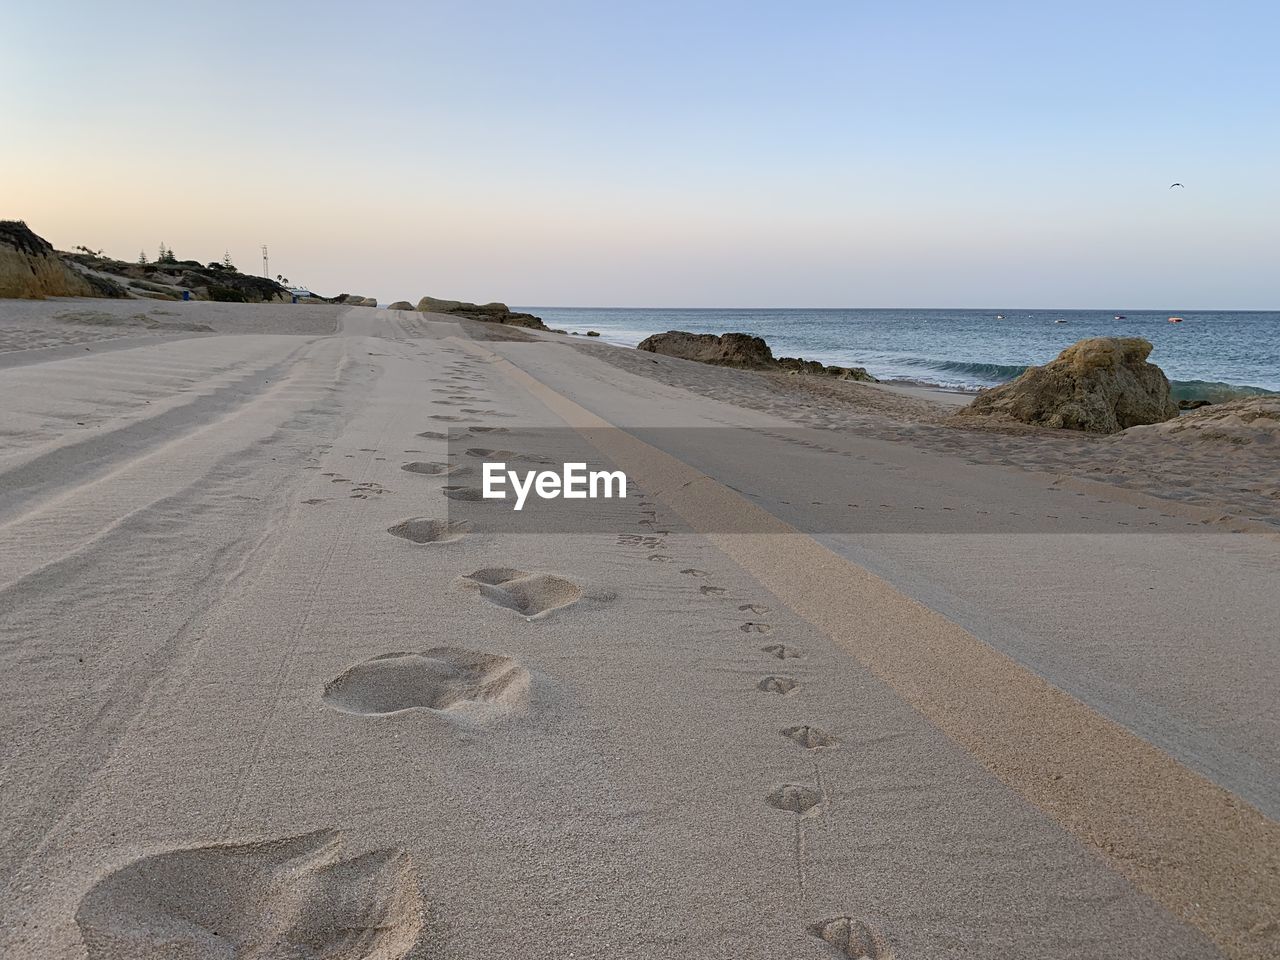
[1213, 355]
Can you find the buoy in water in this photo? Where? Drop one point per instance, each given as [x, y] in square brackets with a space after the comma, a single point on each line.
[1175, 319]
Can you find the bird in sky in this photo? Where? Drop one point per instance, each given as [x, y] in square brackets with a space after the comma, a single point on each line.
[1172, 185]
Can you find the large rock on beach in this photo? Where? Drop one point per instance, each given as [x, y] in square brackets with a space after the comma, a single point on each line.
[400, 305]
[723, 350]
[484, 312]
[1099, 385]
[31, 269]
[741, 350]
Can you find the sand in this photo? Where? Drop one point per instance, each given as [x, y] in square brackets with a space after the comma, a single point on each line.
[843, 680]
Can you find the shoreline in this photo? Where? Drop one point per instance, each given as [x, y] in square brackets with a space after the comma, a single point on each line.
[889, 371]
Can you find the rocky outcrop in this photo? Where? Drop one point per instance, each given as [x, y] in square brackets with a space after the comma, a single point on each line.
[353, 300]
[741, 350]
[400, 305]
[169, 280]
[484, 312]
[230, 286]
[1099, 385]
[31, 269]
[1238, 423]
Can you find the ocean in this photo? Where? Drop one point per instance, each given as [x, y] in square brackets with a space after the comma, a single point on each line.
[1212, 355]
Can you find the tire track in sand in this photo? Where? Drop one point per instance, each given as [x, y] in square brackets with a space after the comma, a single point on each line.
[1206, 855]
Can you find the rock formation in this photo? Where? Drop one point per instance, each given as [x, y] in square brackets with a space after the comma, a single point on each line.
[741, 350]
[1099, 385]
[31, 269]
[400, 305]
[1238, 423]
[484, 312]
[353, 300]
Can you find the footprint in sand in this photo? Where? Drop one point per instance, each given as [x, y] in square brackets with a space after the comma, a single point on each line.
[427, 530]
[638, 540]
[446, 417]
[488, 429]
[428, 468]
[695, 572]
[466, 494]
[314, 500]
[487, 413]
[432, 435]
[294, 897]
[462, 684]
[707, 591]
[782, 652]
[855, 939]
[780, 685]
[801, 798]
[659, 558]
[758, 609]
[810, 737]
[533, 595]
[751, 626]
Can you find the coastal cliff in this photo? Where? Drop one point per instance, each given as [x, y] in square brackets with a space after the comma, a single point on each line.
[30, 269]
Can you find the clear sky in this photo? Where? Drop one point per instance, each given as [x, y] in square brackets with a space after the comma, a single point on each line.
[842, 153]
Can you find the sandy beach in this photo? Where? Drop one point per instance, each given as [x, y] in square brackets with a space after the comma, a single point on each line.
[838, 678]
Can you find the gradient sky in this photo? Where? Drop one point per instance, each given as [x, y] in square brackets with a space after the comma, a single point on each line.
[680, 154]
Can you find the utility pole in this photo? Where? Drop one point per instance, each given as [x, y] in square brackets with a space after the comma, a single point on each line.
[266, 271]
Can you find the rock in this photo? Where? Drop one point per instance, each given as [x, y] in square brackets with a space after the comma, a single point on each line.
[400, 305]
[352, 300]
[593, 333]
[741, 350]
[1237, 423]
[1193, 404]
[31, 269]
[815, 369]
[724, 350]
[1099, 385]
[484, 312]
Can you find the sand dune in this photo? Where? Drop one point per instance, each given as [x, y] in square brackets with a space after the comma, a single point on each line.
[837, 680]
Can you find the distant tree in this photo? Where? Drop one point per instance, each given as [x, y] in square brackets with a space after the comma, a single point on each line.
[283, 281]
[142, 257]
[226, 261]
[83, 249]
[166, 255]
